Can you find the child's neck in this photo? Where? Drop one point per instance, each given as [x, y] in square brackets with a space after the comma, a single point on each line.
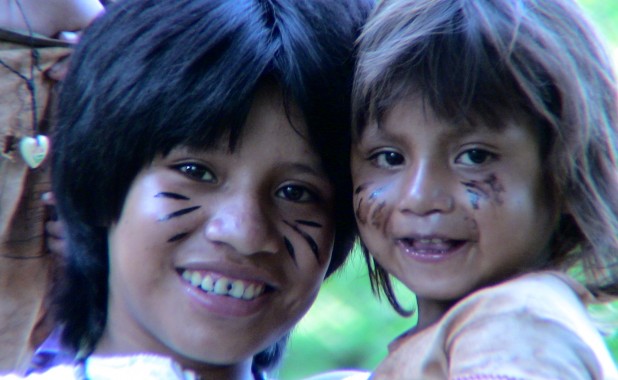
[429, 311]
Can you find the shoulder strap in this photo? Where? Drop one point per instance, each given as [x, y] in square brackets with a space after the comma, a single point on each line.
[34, 41]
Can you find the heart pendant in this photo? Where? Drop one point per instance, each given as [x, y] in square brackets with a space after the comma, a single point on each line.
[34, 150]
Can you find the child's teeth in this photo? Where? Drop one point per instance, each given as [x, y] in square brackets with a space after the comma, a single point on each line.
[223, 286]
[238, 288]
[259, 289]
[249, 292]
[196, 279]
[207, 284]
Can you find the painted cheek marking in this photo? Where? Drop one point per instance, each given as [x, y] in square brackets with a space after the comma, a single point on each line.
[290, 249]
[308, 223]
[376, 193]
[166, 194]
[362, 187]
[496, 188]
[474, 198]
[177, 237]
[178, 213]
[312, 244]
[476, 192]
[489, 188]
[377, 215]
[361, 212]
[361, 217]
[364, 207]
[180, 197]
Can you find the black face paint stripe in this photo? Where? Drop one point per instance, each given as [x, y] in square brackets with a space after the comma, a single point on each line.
[312, 244]
[361, 188]
[308, 223]
[178, 213]
[166, 194]
[290, 249]
[474, 198]
[177, 237]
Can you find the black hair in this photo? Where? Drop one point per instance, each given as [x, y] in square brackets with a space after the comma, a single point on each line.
[151, 75]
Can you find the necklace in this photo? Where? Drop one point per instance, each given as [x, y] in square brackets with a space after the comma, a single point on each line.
[33, 149]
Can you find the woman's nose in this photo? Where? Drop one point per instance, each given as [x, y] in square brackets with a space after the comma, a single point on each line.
[425, 190]
[242, 222]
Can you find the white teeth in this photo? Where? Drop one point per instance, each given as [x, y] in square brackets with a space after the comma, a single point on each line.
[223, 285]
[196, 279]
[249, 292]
[431, 241]
[237, 290]
[207, 284]
[186, 275]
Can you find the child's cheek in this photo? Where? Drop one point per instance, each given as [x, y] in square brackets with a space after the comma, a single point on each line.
[371, 205]
[489, 189]
[176, 213]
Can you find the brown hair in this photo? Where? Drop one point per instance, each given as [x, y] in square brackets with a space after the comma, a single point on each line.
[490, 60]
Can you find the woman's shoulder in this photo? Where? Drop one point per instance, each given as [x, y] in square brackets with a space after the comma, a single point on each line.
[130, 367]
[60, 372]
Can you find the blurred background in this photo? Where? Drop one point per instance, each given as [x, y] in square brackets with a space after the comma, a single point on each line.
[349, 328]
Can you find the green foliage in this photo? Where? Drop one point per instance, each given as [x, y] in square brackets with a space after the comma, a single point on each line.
[349, 328]
[346, 328]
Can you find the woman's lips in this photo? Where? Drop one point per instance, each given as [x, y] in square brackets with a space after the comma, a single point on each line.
[223, 285]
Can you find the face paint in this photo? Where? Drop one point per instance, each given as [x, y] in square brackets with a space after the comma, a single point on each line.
[308, 223]
[489, 188]
[312, 244]
[175, 214]
[371, 207]
[178, 213]
[377, 216]
[165, 194]
[361, 211]
[474, 198]
[290, 249]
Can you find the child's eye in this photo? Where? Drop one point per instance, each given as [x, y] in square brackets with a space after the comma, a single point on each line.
[475, 157]
[387, 159]
[296, 193]
[196, 171]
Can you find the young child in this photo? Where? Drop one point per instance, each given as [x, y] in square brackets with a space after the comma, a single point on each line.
[198, 167]
[30, 54]
[484, 167]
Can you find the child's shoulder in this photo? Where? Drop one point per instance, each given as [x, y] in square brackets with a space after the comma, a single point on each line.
[534, 326]
[536, 297]
[539, 318]
[543, 289]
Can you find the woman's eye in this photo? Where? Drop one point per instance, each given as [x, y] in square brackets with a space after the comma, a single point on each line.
[196, 171]
[296, 193]
[387, 159]
[475, 157]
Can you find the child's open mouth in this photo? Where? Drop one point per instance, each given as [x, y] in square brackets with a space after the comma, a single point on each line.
[223, 286]
[430, 248]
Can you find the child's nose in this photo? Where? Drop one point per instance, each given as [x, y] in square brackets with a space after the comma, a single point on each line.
[425, 190]
[242, 223]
